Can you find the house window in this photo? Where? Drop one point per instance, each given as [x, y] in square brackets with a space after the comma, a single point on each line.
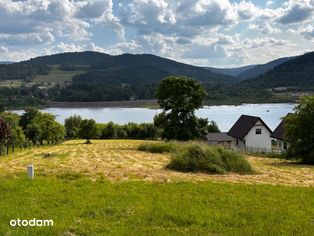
[258, 131]
[237, 142]
[285, 146]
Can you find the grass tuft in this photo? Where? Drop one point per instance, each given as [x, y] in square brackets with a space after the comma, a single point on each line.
[196, 157]
[157, 147]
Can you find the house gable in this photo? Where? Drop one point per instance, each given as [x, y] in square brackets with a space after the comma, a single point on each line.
[243, 126]
[258, 136]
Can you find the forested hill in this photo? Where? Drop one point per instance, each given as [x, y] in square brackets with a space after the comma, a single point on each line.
[93, 76]
[136, 64]
[297, 73]
[129, 76]
[69, 58]
[261, 69]
[234, 72]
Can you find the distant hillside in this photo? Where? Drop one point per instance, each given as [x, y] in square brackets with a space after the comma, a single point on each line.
[93, 76]
[230, 71]
[261, 69]
[102, 62]
[70, 58]
[297, 72]
[130, 76]
[6, 62]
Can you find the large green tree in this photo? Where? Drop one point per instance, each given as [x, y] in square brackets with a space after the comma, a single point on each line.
[88, 130]
[299, 130]
[179, 97]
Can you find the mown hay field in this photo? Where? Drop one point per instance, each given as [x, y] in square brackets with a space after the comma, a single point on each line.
[119, 160]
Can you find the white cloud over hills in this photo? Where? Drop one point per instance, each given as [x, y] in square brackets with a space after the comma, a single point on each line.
[203, 32]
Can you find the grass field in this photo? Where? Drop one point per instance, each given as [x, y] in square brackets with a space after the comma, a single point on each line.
[57, 76]
[110, 188]
[11, 83]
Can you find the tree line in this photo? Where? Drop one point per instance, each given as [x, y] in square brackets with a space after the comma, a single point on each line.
[30, 129]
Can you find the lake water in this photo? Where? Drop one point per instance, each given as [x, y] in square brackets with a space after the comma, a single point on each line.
[225, 116]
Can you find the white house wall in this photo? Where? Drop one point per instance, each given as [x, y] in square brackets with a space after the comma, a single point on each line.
[259, 141]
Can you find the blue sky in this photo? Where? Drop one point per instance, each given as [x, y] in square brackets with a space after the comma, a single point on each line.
[220, 33]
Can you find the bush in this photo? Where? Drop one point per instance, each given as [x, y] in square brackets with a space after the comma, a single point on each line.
[157, 147]
[202, 158]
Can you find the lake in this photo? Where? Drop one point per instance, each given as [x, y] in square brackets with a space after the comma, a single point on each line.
[225, 116]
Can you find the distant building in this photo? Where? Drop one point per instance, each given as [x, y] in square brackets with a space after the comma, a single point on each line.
[220, 139]
[251, 133]
[278, 135]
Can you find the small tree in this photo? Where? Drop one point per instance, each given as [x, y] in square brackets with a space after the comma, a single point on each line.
[88, 130]
[72, 125]
[212, 127]
[299, 131]
[179, 97]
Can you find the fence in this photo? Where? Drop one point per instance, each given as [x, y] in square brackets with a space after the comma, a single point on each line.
[256, 150]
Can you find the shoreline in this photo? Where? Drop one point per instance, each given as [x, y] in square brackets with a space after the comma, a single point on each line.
[121, 104]
[145, 104]
[150, 104]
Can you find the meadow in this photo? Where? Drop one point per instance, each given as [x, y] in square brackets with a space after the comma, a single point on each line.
[111, 188]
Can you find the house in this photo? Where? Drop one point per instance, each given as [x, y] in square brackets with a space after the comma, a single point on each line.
[251, 133]
[220, 139]
[278, 135]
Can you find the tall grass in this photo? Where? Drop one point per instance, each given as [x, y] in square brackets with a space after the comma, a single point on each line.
[157, 147]
[198, 157]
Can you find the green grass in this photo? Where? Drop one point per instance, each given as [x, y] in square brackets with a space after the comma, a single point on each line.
[79, 206]
[56, 76]
[11, 83]
[157, 147]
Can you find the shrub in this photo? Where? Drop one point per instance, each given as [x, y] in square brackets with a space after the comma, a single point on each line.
[195, 157]
[157, 147]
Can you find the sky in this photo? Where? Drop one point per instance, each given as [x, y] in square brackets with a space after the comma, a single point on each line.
[218, 33]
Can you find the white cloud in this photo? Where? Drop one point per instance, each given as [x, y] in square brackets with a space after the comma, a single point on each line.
[26, 39]
[297, 11]
[204, 32]
[206, 52]
[4, 49]
[265, 28]
[62, 18]
[262, 42]
[247, 10]
[307, 32]
[124, 47]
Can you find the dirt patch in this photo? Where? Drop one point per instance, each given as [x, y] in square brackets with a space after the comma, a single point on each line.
[119, 160]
